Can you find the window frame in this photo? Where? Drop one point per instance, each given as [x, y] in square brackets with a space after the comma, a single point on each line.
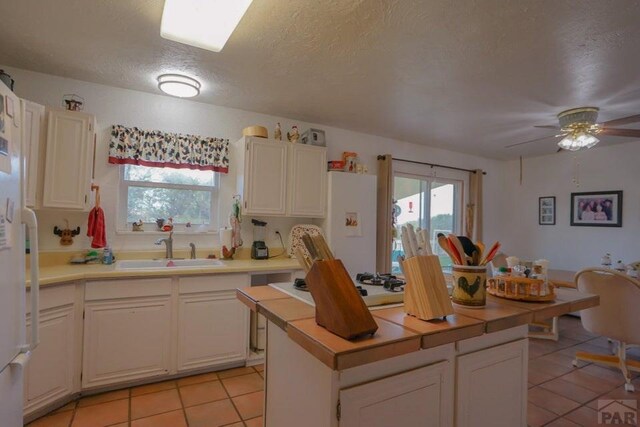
[123, 200]
[445, 176]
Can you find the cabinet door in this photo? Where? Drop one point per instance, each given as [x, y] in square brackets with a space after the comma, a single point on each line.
[125, 340]
[212, 329]
[33, 128]
[68, 160]
[308, 181]
[417, 398]
[49, 373]
[265, 177]
[492, 386]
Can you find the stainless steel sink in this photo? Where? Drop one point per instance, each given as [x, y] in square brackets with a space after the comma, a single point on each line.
[161, 264]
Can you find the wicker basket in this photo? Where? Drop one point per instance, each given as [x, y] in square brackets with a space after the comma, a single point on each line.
[521, 289]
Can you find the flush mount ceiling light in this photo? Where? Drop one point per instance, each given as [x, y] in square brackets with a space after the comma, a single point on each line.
[178, 85]
[206, 24]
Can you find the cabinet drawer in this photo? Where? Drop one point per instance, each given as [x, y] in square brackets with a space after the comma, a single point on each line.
[217, 282]
[53, 296]
[106, 289]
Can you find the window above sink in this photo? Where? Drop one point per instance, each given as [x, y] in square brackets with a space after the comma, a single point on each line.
[149, 193]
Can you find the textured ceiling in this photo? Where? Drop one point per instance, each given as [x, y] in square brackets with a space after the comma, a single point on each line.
[467, 75]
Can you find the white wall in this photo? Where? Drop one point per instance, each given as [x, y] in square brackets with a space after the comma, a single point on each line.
[610, 168]
[148, 111]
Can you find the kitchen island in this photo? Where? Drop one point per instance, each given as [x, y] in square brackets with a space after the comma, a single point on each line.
[469, 369]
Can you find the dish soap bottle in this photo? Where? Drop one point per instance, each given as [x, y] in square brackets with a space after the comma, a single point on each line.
[107, 256]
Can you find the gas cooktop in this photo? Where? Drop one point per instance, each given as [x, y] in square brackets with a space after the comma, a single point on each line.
[376, 294]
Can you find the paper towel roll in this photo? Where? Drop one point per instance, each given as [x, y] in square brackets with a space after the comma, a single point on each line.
[225, 239]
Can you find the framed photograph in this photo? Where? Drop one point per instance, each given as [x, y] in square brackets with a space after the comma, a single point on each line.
[597, 209]
[547, 210]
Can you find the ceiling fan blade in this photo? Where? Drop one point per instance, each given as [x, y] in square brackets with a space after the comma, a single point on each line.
[631, 133]
[531, 140]
[548, 127]
[622, 121]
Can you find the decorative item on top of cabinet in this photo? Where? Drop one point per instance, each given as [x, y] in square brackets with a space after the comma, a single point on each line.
[73, 102]
[259, 131]
[313, 137]
[294, 136]
[66, 235]
[350, 159]
[277, 133]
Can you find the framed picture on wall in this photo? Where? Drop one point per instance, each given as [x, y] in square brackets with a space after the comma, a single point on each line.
[597, 209]
[547, 210]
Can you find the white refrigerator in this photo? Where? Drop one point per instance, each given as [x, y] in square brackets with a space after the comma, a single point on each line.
[16, 342]
[350, 224]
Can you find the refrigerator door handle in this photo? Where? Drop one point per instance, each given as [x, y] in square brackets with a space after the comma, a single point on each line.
[21, 359]
[29, 219]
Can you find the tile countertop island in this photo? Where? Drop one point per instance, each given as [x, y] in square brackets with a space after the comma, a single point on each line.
[467, 370]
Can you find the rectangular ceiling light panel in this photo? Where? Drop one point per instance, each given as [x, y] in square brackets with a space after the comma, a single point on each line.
[206, 24]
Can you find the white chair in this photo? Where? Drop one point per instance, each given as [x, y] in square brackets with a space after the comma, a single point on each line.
[617, 317]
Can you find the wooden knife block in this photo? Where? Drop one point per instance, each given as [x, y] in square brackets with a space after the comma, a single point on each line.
[339, 306]
[425, 294]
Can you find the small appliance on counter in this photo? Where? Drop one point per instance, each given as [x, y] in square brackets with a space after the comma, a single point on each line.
[259, 249]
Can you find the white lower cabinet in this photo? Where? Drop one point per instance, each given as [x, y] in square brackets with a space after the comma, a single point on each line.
[212, 329]
[126, 331]
[491, 386]
[53, 372]
[417, 398]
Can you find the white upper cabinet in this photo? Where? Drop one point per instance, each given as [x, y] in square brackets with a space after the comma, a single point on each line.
[33, 140]
[265, 166]
[277, 178]
[69, 160]
[307, 182]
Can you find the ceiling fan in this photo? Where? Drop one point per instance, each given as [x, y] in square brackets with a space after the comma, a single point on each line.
[578, 129]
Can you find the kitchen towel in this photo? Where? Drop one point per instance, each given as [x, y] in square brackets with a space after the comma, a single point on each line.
[97, 228]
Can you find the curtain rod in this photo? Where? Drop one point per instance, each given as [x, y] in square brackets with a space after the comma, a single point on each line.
[433, 165]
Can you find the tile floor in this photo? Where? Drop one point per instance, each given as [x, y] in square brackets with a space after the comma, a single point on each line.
[559, 394]
[230, 398]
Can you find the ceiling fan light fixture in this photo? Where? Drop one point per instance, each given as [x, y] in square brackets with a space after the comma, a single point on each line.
[179, 85]
[578, 141]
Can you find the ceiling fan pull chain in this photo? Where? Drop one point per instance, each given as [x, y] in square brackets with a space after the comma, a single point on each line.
[576, 175]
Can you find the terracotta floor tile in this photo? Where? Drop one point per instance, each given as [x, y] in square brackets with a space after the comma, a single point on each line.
[243, 384]
[549, 367]
[605, 372]
[120, 425]
[240, 424]
[61, 419]
[152, 388]
[254, 422]
[102, 414]
[201, 393]
[213, 414]
[68, 407]
[537, 416]
[583, 379]
[155, 403]
[550, 401]
[570, 390]
[562, 422]
[196, 379]
[235, 372]
[563, 359]
[168, 419]
[104, 397]
[250, 405]
[536, 377]
[584, 416]
[259, 367]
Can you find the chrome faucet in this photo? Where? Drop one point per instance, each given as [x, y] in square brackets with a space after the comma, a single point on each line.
[168, 241]
[193, 250]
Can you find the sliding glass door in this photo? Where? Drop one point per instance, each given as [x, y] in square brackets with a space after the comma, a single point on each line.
[426, 202]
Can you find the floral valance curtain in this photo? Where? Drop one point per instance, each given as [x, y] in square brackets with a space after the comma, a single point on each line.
[154, 148]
